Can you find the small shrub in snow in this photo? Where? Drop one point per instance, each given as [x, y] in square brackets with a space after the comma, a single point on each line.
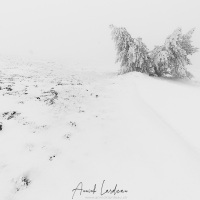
[10, 115]
[72, 123]
[169, 59]
[22, 183]
[67, 136]
[49, 96]
[52, 157]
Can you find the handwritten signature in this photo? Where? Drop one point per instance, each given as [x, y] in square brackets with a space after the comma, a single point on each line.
[79, 190]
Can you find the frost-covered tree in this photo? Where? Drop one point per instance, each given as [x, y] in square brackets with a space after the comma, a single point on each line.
[132, 53]
[170, 59]
[186, 43]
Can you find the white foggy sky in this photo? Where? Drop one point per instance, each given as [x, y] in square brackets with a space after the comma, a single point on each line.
[76, 31]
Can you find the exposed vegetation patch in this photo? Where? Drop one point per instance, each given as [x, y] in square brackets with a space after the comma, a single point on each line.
[10, 115]
[50, 96]
[22, 183]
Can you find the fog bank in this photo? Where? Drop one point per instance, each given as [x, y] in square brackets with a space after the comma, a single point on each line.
[77, 32]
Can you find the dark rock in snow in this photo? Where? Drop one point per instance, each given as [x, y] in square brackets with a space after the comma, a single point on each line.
[1, 126]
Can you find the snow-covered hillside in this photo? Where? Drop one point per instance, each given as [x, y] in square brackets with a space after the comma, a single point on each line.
[133, 135]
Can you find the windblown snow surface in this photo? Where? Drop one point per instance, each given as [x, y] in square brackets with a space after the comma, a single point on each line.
[62, 126]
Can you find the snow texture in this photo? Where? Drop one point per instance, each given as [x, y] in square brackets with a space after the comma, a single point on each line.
[62, 126]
